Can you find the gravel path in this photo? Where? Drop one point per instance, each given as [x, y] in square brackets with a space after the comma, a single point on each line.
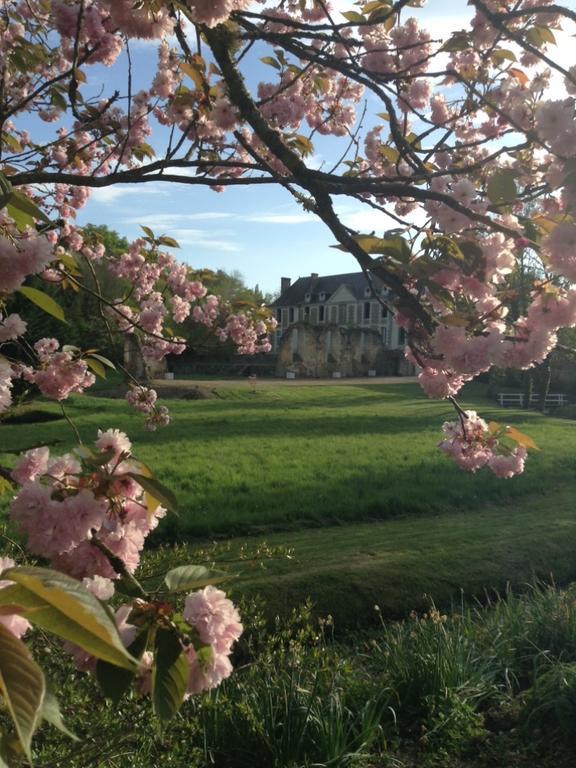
[240, 383]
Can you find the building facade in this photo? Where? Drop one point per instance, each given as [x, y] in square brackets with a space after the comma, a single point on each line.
[347, 300]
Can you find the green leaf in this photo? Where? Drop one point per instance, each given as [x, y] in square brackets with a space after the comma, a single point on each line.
[144, 150]
[456, 319]
[271, 61]
[5, 486]
[147, 231]
[539, 35]
[446, 246]
[103, 360]
[169, 675]
[43, 301]
[5, 190]
[389, 153]
[69, 262]
[11, 142]
[395, 246]
[24, 205]
[354, 17]
[157, 490]
[65, 607]
[501, 54]
[501, 188]
[303, 144]
[376, 5]
[186, 577]
[458, 41]
[194, 73]
[52, 714]
[23, 687]
[116, 682]
[169, 241]
[96, 367]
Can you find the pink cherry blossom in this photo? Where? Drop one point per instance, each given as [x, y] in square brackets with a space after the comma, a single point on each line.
[30, 465]
[508, 465]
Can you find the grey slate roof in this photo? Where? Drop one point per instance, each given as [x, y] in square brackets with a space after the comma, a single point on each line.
[355, 282]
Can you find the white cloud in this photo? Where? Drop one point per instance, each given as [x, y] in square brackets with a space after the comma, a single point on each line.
[163, 220]
[370, 220]
[281, 218]
[171, 220]
[109, 195]
[203, 239]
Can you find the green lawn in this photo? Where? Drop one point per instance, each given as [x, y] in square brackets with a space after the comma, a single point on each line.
[345, 488]
[286, 457]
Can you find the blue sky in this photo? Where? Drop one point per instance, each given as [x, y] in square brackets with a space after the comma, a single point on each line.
[260, 231]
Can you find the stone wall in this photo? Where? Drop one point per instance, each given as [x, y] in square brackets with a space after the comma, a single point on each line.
[134, 362]
[318, 351]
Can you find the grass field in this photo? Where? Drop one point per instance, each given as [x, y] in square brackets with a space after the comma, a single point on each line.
[346, 487]
[284, 458]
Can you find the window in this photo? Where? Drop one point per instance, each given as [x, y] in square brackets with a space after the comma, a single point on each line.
[367, 291]
[321, 313]
[307, 297]
[291, 315]
[385, 336]
[351, 314]
[279, 315]
[323, 296]
[384, 313]
[401, 336]
[306, 313]
[366, 310]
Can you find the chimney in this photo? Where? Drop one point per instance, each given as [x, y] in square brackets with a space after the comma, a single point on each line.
[314, 276]
[284, 284]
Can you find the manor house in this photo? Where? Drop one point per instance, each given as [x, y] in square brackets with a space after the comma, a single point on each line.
[345, 300]
[336, 323]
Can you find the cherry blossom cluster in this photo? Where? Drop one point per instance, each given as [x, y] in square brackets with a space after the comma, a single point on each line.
[74, 509]
[11, 327]
[150, 309]
[217, 624]
[214, 624]
[60, 372]
[20, 257]
[143, 399]
[472, 445]
[250, 338]
[486, 337]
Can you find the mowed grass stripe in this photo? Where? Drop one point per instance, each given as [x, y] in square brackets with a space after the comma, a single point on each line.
[286, 457]
[402, 565]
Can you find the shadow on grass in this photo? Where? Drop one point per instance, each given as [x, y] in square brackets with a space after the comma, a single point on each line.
[236, 505]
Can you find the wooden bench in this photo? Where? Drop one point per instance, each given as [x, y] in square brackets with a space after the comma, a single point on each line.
[510, 399]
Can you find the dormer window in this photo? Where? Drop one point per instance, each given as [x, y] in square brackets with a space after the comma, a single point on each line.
[307, 297]
[323, 296]
[367, 291]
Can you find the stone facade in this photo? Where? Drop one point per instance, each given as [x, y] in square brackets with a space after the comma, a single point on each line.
[320, 351]
[135, 364]
[337, 323]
